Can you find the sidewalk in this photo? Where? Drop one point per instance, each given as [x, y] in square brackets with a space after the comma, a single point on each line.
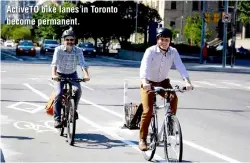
[218, 68]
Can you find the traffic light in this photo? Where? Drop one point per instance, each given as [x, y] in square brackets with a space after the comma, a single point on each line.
[207, 17]
[216, 17]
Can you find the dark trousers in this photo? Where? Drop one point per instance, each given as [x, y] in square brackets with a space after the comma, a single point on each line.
[59, 91]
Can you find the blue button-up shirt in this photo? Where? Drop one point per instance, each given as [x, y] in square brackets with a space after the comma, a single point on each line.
[66, 62]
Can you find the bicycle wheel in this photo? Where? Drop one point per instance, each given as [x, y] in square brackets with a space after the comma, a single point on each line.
[71, 122]
[173, 143]
[151, 140]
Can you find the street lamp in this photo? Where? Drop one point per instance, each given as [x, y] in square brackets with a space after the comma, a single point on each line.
[136, 21]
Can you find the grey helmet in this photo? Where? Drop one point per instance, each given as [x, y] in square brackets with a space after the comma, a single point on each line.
[68, 32]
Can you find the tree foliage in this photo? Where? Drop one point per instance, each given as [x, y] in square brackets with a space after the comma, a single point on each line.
[193, 28]
[244, 10]
[15, 32]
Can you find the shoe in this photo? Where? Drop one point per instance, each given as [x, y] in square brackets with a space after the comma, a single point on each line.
[76, 115]
[143, 145]
[57, 124]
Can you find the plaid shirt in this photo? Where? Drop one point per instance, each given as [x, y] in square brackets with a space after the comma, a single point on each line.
[66, 62]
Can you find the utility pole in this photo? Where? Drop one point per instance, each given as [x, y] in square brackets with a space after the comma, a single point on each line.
[233, 34]
[203, 30]
[136, 21]
[224, 54]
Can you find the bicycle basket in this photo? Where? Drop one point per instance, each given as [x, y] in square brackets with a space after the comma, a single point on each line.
[133, 114]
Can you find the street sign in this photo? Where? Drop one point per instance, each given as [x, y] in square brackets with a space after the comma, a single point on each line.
[226, 17]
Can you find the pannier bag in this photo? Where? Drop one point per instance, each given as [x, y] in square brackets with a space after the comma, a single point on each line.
[133, 115]
[49, 108]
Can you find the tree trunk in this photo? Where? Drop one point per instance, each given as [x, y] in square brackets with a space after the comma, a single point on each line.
[95, 38]
[243, 34]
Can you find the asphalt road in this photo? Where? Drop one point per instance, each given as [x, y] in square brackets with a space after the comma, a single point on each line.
[214, 117]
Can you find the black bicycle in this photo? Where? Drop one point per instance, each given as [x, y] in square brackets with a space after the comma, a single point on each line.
[170, 130]
[68, 113]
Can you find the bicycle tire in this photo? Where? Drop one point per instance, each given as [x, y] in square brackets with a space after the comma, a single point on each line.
[176, 127]
[149, 154]
[71, 136]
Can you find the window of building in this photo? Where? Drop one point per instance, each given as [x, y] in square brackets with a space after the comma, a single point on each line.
[195, 5]
[173, 5]
[172, 23]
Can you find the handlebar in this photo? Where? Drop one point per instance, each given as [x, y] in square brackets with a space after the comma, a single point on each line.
[68, 79]
[177, 88]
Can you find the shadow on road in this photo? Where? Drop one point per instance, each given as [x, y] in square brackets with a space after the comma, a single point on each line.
[97, 141]
[16, 137]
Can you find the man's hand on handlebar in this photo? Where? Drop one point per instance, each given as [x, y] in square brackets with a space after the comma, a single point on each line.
[86, 78]
[55, 77]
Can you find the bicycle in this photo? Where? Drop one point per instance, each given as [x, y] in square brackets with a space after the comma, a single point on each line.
[167, 128]
[68, 114]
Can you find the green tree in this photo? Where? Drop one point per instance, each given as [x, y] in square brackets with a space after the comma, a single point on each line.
[51, 31]
[244, 14]
[15, 32]
[192, 29]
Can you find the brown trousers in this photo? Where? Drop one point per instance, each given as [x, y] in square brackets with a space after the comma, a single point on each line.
[147, 103]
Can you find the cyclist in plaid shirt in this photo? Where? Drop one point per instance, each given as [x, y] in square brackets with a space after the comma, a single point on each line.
[64, 63]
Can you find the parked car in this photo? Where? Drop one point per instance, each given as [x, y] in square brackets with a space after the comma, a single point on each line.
[88, 49]
[25, 48]
[9, 43]
[48, 46]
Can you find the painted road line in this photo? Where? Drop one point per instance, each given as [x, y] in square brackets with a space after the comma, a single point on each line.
[20, 59]
[182, 82]
[114, 135]
[36, 91]
[233, 84]
[87, 87]
[210, 84]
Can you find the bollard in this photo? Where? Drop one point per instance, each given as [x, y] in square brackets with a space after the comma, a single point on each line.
[125, 100]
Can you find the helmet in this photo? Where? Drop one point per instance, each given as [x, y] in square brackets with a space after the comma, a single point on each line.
[68, 32]
[164, 32]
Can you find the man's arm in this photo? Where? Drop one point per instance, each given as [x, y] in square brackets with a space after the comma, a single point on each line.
[180, 67]
[83, 64]
[144, 68]
[54, 62]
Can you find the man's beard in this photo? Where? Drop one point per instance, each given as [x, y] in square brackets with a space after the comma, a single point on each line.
[69, 47]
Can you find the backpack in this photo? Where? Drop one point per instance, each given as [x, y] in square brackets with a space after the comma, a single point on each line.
[49, 108]
[133, 116]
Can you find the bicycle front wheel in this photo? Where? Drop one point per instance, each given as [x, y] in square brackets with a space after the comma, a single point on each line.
[71, 122]
[151, 140]
[173, 143]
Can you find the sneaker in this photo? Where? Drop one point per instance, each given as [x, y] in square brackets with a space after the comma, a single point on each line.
[143, 145]
[57, 124]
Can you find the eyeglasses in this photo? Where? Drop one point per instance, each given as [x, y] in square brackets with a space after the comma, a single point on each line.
[69, 39]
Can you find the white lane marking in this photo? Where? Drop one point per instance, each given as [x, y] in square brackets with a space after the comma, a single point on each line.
[210, 84]
[37, 91]
[178, 81]
[114, 135]
[20, 59]
[3, 71]
[233, 84]
[87, 87]
[206, 150]
[30, 107]
[100, 107]
[248, 106]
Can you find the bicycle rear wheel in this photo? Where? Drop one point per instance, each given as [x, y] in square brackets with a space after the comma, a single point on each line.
[71, 122]
[173, 143]
[151, 140]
